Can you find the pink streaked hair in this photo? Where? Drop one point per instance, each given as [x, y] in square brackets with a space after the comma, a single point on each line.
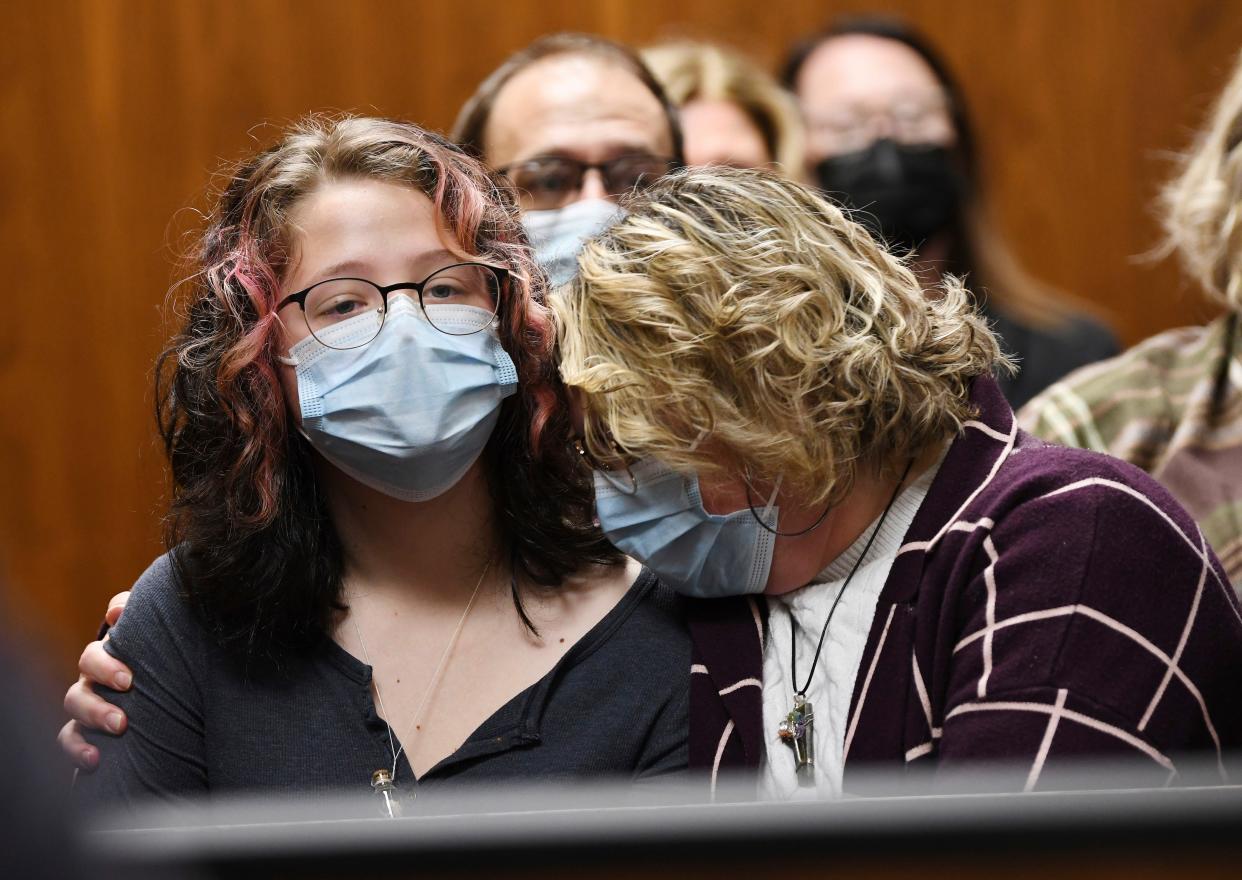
[250, 532]
[245, 251]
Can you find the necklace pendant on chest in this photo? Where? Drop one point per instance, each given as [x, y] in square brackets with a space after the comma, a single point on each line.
[384, 787]
[796, 732]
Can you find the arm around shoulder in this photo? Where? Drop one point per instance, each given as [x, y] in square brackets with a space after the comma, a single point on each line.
[162, 752]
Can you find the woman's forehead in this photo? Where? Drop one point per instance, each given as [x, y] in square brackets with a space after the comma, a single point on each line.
[363, 210]
[865, 70]
[363, 227]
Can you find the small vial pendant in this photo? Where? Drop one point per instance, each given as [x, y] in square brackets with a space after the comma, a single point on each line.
[386, 790]
[797, 731]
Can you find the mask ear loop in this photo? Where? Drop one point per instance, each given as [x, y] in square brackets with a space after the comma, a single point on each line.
[287, 361]
[776, 490]
[615, 481]
[772, 503]
[698, 440]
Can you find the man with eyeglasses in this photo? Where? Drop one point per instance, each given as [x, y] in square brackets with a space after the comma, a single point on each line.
[574, 122]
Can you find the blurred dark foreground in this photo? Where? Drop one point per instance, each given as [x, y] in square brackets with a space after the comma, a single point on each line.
[1089, 822]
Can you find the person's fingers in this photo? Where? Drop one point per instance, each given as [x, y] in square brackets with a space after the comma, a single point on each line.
[99, 667]
[73, 744]
[115, 606]
[88, 708]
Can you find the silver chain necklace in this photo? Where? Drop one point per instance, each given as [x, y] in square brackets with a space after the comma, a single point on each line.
[384, 781]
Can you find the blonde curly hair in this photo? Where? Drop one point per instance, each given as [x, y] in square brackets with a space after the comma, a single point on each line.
[743, 309]
[1202, 206]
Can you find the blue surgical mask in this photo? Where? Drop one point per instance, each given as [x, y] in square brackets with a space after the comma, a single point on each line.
[659, 520]
[410, 412]
[558, 235]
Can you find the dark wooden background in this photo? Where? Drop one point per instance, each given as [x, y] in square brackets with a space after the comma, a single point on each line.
[115, 115]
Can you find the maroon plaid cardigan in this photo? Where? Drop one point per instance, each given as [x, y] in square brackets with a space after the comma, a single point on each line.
[1045, 603]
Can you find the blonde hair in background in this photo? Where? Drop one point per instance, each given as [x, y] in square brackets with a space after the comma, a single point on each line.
[1202, 206]
[737, 319]
[704, 71]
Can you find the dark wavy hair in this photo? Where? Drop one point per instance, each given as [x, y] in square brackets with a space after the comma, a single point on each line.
[251, 537]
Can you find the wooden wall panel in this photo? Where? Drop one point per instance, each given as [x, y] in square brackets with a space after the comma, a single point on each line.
[116, 113]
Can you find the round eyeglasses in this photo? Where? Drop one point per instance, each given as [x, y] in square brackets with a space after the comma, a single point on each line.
[330, 304]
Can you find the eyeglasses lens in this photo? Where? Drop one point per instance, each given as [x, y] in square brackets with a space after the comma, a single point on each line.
[546, 184]
[447, 291]
[630, 173]
[345, 312]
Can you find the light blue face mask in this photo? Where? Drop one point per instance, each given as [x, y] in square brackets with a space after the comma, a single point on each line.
[410, 412]
[659, 520]
[558, 235]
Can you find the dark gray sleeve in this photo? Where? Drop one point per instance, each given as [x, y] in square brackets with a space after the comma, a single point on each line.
[666, 753]
[161, 754]
[667, 750]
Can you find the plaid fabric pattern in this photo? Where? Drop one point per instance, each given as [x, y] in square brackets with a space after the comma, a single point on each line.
[1152, 407]
[1047, 603]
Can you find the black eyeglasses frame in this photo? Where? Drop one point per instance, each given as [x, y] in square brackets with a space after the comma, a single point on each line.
[502, 282]
[604, 168]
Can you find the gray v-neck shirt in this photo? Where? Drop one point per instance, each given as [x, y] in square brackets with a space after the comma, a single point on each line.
[614, 706]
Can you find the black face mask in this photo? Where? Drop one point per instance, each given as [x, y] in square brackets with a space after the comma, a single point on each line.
[904, 192]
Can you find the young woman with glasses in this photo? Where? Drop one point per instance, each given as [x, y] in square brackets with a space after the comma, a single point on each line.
[382, 570]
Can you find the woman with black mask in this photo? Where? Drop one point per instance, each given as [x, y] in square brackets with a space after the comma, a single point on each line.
[889, 135]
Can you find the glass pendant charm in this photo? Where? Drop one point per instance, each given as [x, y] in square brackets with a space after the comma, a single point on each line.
[386, 790]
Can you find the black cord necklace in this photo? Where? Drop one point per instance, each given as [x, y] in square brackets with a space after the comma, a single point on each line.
[796, 729]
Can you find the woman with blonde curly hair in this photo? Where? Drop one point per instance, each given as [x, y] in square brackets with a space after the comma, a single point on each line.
[771, 405]
[382, 569]
[1173, 404]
